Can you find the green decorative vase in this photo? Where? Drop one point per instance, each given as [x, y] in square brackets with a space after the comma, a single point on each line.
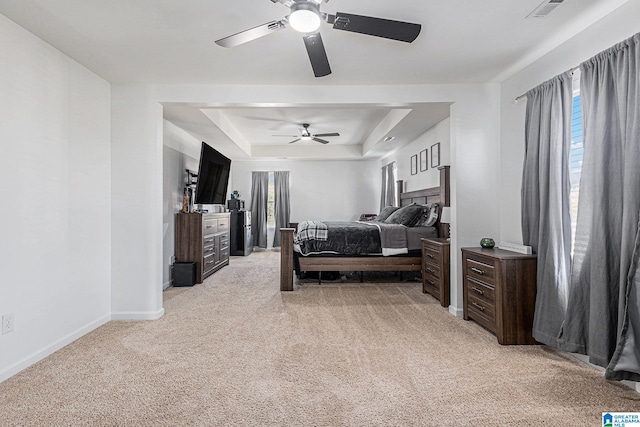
[487, 242]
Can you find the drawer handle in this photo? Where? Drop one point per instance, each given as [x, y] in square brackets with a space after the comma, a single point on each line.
[430, 271]
[478, 306]
[209, 226]
[478, 291]
[208, 241]
[477, 270]
[430, 256]
[210, 262]
[431, 282]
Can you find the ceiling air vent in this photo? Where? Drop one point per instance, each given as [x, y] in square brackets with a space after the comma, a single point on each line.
[545, 8]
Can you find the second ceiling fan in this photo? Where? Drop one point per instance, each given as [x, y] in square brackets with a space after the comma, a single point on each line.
[305, 135]
[306, 17]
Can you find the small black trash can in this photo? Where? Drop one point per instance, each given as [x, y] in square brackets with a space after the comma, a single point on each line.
[184, 274]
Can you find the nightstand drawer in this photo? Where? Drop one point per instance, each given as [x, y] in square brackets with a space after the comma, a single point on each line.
[499, 291]
[432, 253]
[481, 267]
[435, 269]
[482, 312]
[481, 290]
[432, 286]
[431, 269]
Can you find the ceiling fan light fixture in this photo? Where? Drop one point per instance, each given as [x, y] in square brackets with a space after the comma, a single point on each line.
[304, 17]
[306, 137]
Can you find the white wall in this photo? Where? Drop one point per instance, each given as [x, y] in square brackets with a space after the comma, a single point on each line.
[180, 151]
[319, 190]
[55, 242]
[136, 203]
[440, 133]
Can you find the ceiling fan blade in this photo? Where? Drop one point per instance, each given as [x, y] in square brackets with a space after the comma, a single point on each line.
[251, 34]
[321, 141]
[327, 134]
[394, 30]
[317, 55]
[295, 140]
[288, 136]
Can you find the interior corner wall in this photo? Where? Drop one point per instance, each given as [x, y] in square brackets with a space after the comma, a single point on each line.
[180, 151]
[136, 213]
[440, 133]
[55, 183]
[610, 30]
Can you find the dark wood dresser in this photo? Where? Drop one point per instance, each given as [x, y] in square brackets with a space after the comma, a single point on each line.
[202, 238]
[435, 269]
[499, 291]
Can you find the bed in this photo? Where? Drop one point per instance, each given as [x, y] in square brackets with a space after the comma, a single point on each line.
[331, 262]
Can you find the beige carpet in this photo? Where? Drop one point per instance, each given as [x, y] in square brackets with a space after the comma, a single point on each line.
[235, 351]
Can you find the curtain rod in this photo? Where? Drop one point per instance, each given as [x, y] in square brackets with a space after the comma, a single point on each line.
[524, 95]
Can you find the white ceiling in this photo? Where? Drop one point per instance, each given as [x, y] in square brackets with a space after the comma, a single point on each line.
[172, 42]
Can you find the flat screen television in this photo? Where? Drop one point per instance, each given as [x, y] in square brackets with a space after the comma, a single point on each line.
[213, 177]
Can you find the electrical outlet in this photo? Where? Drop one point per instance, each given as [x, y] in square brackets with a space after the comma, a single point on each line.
[7, 323]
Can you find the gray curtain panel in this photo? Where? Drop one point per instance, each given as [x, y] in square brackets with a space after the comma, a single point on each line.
[391, 186]
[388, 196]
[282, 204]
[603, 309]
[259, 194]
[546, 220]
[383, 193]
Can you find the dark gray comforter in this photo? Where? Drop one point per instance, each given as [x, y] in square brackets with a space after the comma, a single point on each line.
[355, 238]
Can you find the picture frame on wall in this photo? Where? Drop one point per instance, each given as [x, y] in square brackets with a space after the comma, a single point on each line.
[435, 155]
[424, 164]
[414, 164]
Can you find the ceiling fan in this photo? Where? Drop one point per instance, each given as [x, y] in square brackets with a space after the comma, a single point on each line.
[308, 136]
[306, 17]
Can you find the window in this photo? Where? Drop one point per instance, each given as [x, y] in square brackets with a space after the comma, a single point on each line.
[575, 154]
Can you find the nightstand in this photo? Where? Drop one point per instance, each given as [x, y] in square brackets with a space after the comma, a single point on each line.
[499, 292]
[435, 269]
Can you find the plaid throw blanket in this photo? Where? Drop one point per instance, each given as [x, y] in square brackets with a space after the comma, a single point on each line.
[311, 230]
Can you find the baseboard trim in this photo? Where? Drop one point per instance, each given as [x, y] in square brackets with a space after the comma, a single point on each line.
[137, 315]
[458, 312]
[50, 349]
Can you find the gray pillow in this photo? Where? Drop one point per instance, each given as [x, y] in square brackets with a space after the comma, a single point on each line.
[385, 212]
[406, 215]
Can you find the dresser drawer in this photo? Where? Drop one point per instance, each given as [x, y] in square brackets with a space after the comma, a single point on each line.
[481, 290]
[224, 254]
[224, 240]
[482, 312]
[208, 264]
[223, 224]
[208, 251]
[209, 226]
[482, 268]
[208, 241]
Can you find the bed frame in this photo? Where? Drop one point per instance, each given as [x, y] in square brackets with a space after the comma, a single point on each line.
[438, 194]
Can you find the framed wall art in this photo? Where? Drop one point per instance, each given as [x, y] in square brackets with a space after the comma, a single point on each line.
[414, 164]
[435, 155]
[424, 164]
